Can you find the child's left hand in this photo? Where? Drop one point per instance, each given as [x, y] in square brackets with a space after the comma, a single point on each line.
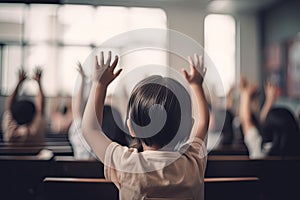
[38, 74]
[198, 71]
[104, 72]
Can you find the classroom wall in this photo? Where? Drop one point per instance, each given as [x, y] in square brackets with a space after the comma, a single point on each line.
[189, 20]
[249, 47]
[280, 23]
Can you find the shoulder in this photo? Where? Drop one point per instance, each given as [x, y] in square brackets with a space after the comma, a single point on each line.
[119, 159]
[8, 121]
[194, 147]
[118, 152]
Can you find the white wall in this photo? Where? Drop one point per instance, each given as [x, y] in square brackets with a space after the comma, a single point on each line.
[190, 21]
[249, 47]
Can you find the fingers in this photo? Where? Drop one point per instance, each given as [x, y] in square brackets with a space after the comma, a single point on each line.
[192, 64]
[204, 71]
[38, 70]
[196, 58]
[185, 74]
[201, 62]
[79, 65]
[108, 58]
[22, 74]
[243, 82]
[114, 64]
[101, 58]
[96, 62]
[117, 73]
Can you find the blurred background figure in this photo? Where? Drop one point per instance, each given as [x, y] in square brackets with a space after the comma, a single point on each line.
[24, 120]
[81, 149]
[111, 121]
[61, 115]
[277, 132]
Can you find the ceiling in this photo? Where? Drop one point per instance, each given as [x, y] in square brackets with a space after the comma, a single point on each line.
[226, 6]
[239, 5]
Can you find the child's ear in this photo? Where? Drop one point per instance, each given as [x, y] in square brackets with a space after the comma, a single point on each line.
[131, 131]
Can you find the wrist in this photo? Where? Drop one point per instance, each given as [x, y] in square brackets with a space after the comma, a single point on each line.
[99, 85]
[270, 101]
[196, 85]
[19, 83]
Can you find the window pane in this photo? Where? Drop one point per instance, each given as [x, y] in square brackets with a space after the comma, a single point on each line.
[147, 18]
[57, 36]
[44, 56]
[12, 61]
[40, 23]
[142, 58]
[110, 21]
[66, 72]
[11, 22]
[76, 24]
[219, 33]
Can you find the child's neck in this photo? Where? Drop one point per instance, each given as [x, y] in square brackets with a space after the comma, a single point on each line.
[149, 148]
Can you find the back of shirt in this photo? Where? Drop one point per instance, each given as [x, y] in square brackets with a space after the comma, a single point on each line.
[157, 174]
[12, 132]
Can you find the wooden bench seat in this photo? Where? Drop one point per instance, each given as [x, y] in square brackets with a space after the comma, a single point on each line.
[87, 188]
[34, 150]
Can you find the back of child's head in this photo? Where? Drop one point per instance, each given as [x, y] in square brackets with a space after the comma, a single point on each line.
[283, 127]
[151, 100]
[23, 111]
[110, 125]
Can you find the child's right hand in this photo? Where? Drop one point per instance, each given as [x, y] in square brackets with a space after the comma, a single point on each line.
[271, 91]
[246, 88]
[22, 75]
[104, 72]
[80, 70]
[198, 71]
[38, 74]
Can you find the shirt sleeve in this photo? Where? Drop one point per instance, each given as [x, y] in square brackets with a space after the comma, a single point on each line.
[253, 142]
[113, 154]
[12, 131]
[118, 159]
[195, 148]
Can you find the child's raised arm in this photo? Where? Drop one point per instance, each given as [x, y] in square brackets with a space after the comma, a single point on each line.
[195, 79]
[247, 91]
[271, 93]
[92, 118]
[78, 101]
[10, 100]
[40, 98]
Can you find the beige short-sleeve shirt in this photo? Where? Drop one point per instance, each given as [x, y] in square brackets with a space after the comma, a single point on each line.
[12, 132]
[177, 175]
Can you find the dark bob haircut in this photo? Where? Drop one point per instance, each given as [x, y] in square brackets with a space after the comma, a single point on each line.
[23, 112]
[282, 126]
[159, 109]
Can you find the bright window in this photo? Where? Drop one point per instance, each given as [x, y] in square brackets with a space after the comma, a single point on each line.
[57, 36]
[220, 45]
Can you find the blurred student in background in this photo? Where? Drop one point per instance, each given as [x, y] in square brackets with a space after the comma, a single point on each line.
[278, 133]
[80, 148]
[111, 121]
[61, 115]
[24, 120]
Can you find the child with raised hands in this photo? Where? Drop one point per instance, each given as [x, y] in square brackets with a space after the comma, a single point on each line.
[23, 120]
[159, 115]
